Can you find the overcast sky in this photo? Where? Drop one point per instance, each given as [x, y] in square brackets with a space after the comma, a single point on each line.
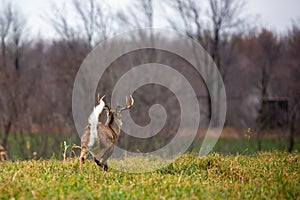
[274, 14]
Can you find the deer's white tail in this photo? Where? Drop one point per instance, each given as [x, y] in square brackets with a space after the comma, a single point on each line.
[93, 121]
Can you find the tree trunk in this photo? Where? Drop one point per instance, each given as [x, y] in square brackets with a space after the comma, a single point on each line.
[6, 134]
[216, 58]
[292, 131]
[3, 52]
[258, 139]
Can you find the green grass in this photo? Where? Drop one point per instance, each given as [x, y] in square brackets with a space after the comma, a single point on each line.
[46, 146]
[34, 146]
[269, 175]
[250, 146]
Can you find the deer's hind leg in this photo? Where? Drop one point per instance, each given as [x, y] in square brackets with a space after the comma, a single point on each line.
[106, 155]
[98, 156]
[83, 155]
[98, 162]
[101, 157]
[84, 143]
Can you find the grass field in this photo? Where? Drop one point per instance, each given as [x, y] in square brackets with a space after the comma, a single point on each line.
[36, 146]
[269, 175]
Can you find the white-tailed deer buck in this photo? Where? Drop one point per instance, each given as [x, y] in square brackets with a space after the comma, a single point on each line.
[105, 135]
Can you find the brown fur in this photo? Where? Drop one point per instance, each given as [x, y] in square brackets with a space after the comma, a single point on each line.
[107, 133]
[3, 154]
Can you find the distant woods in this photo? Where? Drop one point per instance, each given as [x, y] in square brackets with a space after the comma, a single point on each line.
[37, 74]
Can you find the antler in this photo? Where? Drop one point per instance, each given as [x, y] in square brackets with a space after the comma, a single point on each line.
[99, 99]
[128, 105]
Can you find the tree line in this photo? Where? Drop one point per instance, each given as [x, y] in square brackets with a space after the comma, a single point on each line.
[37, 74]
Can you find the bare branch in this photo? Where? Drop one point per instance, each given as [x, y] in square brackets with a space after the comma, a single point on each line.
[5, 24]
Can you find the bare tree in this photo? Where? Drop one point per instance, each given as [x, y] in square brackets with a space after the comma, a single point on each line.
[294, 107]
[190, 13]
[12, 100]
[140, 15]
[94, 20]
[293, 48]
[61, 24]
[90, 17]
[77, 38]
[87, 16]
[5, 103]
[5, 24]
[18, 32]
[224, 17]
[265, 55]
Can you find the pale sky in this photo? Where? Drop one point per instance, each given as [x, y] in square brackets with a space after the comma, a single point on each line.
[274, 14]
